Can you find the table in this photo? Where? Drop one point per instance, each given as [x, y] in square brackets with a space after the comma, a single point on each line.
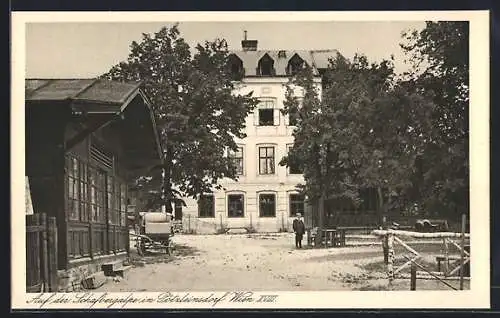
[333, 237]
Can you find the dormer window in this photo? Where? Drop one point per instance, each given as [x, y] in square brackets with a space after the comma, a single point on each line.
[295, 65]
[266, 66]
[235, 65]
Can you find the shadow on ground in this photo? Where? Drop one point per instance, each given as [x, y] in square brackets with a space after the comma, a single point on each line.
[161, 256]
[184, 250]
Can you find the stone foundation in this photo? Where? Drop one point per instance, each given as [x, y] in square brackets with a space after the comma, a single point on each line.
[70, 280]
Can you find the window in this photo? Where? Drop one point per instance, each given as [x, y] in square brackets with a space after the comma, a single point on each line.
[97, 195]
[235, 205]
[113, 190]
[295, 65]
[206, 206]
[235, 67]
[267, 113]
[237, 159]
[296, 204]
[266, 66]
[266, 117]
[292, 117]
[73, 183]
[293, 114]
[123, 204]
[178, 210]
[293, 165]
[266, 160]
[267, 205]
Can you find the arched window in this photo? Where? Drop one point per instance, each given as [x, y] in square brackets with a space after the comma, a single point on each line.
[295, 65]
[266, 66]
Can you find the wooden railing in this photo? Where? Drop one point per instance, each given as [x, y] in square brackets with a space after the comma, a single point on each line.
[41, 253]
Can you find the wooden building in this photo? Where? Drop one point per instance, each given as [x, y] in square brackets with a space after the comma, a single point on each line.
[86, 141]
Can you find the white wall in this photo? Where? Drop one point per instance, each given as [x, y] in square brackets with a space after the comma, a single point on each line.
[251, 183]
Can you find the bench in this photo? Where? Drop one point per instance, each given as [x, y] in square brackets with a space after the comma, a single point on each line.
[227, 229]
[330, 237]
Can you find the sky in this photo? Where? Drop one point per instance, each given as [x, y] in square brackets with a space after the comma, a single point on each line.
[89, 49]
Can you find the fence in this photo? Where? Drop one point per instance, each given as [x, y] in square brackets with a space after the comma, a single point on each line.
[390, 237]
[41, 253]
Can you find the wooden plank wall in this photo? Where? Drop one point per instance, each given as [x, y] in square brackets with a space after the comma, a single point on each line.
[41, 253]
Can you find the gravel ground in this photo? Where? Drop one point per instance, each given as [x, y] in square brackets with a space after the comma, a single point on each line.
[260, 262]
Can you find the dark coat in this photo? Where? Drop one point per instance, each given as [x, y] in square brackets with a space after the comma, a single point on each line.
[299, 227]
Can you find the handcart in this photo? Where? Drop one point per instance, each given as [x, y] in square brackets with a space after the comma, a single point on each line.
[153, 230]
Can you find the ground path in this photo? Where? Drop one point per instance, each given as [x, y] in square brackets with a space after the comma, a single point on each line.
[256, 262]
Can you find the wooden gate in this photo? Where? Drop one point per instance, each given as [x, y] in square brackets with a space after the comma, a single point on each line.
[41, 253]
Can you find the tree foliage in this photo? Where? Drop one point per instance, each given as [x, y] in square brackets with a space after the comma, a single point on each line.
[196, 111]
[440, 57]
[365, 132]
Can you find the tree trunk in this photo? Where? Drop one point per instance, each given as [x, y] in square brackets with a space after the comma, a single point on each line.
[380, 206]
[167, 182]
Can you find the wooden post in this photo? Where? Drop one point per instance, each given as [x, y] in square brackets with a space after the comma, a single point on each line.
[189, 223]
[462, 245]
[52, 246]
[446, 257]
[413, 276]
[45, 252]
[221, 226]
[384, 241]
[390, 257]
[385, 248]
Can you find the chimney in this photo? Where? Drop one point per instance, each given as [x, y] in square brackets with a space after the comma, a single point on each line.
[248, 45]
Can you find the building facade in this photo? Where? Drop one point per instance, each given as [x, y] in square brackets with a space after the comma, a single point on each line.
[264, 199]
[86, 141]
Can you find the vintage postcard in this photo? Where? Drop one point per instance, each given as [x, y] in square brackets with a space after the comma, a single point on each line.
[250, 160]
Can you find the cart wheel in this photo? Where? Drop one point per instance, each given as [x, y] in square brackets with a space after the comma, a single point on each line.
[141, 246]
[169, 247]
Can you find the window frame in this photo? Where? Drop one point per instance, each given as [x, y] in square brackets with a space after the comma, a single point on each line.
[211, 195]
[289, 168]
[94, 189]
[266, 158]
[292, 202]
[295, 116]
[275, 204]
[231, 155]
[267, 103]
[263, 61]
[242, 200]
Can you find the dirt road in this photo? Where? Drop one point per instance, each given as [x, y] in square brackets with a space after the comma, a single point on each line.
[253, 262]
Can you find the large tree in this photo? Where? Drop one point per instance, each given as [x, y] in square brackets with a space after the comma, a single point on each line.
[439, 54]
[197, 112]
[366, 132]
[373, 129]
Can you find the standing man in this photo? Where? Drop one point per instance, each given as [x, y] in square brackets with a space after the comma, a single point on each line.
[299, 229]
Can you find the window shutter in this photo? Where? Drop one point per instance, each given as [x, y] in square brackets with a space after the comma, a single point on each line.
[276, 116]
[287, 119]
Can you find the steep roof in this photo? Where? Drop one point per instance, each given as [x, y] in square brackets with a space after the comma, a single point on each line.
[100, 97]
[95, 90]
[317, 59]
